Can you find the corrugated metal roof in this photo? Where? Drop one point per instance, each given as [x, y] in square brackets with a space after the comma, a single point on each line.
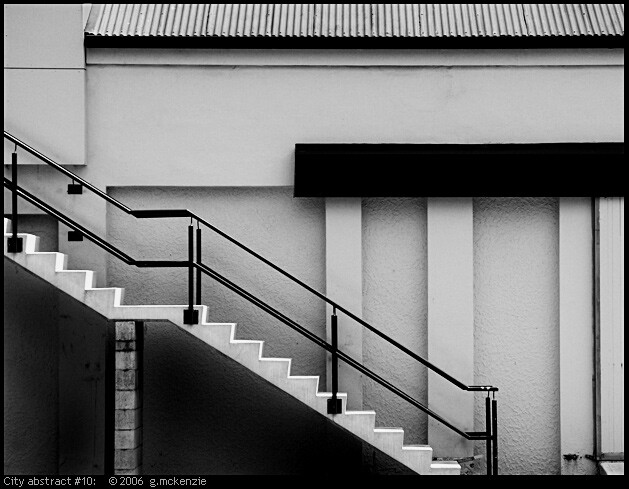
[356, 20]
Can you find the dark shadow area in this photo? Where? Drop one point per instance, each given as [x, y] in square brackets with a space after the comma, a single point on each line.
[206, 414]
[54, 379]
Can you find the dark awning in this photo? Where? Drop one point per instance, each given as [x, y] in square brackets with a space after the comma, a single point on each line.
[459, 170]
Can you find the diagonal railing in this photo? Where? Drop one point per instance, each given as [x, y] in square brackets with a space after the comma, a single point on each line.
[490, 435]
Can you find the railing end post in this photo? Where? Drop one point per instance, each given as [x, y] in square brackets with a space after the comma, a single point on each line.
[14, 244]
[335, 405]
[494, 433]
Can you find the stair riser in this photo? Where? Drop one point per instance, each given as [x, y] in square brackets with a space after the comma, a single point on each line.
[361, 425]
[218, 336]
[77, 282]
[303, 389]
[274, 371]
[248, 354]
[418, 459]
[390, 443]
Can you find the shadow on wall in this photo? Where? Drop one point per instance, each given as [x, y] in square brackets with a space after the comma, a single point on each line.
[54, 372]
[30, 374]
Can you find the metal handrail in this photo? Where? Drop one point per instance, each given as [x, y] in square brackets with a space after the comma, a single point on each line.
[324, 344]
[171, 213]
[97, 240]
[490, 435]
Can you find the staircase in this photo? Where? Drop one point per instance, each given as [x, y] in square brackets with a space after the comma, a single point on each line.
[108, 302]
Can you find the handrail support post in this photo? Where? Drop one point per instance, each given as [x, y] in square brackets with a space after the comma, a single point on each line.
[488, 425]
[190, 315]
[14, 244]
[494, 434]
[335, 405]
[198, 261]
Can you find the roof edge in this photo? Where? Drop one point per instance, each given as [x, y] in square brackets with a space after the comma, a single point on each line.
[263, 42]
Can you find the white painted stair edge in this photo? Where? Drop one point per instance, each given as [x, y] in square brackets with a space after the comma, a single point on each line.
[50, 266]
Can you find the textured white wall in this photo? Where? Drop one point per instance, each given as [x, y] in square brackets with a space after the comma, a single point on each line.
[450, 227]
[395, 302]
[44, 80]
[516, 337]
[516, 319]
[237, 126]
[343, 275]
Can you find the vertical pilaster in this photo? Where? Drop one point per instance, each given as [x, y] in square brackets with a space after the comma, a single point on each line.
[450, 321]
[128, 397]
[576, 341]
[610, 327]
[343, 232]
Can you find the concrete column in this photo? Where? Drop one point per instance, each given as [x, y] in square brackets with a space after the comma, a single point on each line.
[450, 321]
[343, 231]
[610, 327]
[128, 402]
[576, 339]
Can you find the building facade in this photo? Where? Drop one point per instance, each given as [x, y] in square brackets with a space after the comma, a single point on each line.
[500, 267]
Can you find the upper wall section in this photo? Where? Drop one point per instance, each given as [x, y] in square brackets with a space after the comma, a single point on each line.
[44, 80]
[238, 126]
[43, 36]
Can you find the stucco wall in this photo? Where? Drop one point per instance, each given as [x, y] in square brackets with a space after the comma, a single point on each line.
[44, 80]
[395, 302]
[237, 126]
[516, 336]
